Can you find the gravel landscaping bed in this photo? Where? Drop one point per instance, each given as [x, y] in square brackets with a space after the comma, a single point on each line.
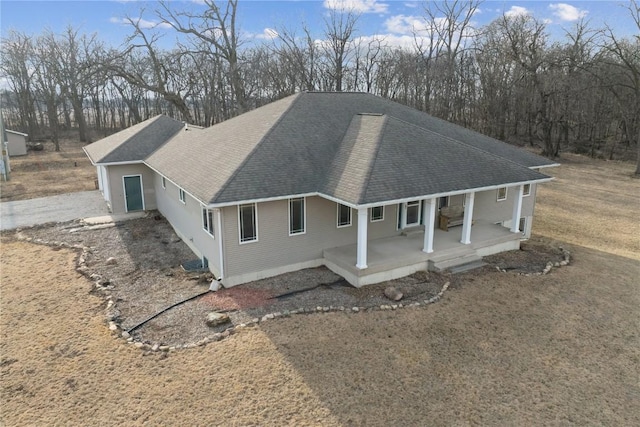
[138, 263]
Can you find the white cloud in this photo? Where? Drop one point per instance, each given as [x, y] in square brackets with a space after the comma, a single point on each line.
[566, 12]
[358, 6]
[403, 24]
[517, 11]
[144, 23]
[267, 34]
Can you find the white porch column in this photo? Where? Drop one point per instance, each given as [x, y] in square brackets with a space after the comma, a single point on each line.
[468, 218]
[429, 220]
[517, 210]
[361, 260]
[403, 215]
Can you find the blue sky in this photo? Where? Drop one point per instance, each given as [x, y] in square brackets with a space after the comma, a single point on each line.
[258, 19]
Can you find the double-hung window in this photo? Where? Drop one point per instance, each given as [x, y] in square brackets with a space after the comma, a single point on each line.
[164, 183]
[248, 222]
[181, 196]
[526, 190]
[377, 213]
[344, 215]
[297, 216]
[502, 194]
[207, 221]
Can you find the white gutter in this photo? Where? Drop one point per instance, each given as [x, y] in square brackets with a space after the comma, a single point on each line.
[387, 202]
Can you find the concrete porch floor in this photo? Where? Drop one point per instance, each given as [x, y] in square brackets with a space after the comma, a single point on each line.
[398, 256]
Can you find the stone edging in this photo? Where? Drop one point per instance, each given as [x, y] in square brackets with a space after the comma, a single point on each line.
[566, 259]
[104, 287]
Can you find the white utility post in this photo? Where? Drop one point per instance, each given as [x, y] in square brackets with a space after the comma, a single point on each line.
[517, 210]
[468, 218]
[361, 261]
[429, 220]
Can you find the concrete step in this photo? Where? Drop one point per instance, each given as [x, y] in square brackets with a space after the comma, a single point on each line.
[467, 267]
[454, 261]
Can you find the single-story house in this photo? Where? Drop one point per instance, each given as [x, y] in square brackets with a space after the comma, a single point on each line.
[370, 188]
[16, 143]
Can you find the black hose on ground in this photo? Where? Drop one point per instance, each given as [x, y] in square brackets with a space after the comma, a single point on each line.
[167, 309]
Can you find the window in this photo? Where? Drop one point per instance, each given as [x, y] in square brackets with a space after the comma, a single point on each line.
[248, 224]
[344, 215]
[207, 220]
[502, 194]
[164, 183]
[523, 225]
[443, 202]
[296, 216]
[526, 190]
[377, 213]
[181, 195]
[413, 213]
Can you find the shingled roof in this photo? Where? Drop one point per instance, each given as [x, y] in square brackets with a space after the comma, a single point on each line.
[135, 143]
[356, 147]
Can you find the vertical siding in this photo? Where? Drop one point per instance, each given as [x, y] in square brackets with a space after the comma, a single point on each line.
[186, 219]
[275, 248]
[116, 193]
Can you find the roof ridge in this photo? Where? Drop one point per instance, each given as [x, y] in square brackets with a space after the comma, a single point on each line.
[168, 139]
[255, 148]
[372, 164]
[462, 142]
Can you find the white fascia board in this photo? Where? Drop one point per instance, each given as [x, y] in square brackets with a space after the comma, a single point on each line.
[263, 200]
[87, 154]
[455, 193]
[553, 165]
[384, 203]
[136, 162]
[15, 132]
[178, 185]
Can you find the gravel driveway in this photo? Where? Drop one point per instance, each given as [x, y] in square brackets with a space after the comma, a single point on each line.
[64, 207]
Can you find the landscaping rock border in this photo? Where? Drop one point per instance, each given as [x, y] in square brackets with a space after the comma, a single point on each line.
[103, 287]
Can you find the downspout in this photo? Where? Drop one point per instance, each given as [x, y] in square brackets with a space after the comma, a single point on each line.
[215, 285]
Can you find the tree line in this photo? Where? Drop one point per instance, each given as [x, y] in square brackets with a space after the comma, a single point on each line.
[507, 79]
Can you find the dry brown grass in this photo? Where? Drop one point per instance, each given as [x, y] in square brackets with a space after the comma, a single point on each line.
[47, 173]
[591, 203]
[502, 349]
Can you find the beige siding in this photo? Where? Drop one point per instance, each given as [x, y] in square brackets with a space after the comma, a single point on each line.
[116, 186]
[487, 208]
[16, 144]
[186, 219]
[275, 248]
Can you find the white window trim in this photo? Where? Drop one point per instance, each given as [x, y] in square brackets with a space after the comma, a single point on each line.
[182, 196]
[406, 207]
[304, 216]
[524, 193]
[338, 216]
[209, 221]
[506, 191]
[164, 182]
[371, 214]
[255, 209]
[447, 204]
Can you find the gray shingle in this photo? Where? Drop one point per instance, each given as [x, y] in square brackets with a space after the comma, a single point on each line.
[135, 143]
[353, 146]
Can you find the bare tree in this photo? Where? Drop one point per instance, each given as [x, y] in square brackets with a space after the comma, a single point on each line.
[215, 27]
[339, 32]
[623, 58]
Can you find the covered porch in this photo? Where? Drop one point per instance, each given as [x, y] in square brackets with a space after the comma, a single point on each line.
[398, 256]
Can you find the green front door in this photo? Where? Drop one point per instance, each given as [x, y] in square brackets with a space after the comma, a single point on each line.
[133, 193]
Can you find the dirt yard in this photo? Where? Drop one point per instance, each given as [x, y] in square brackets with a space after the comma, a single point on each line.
[499, 349]
[47, 173]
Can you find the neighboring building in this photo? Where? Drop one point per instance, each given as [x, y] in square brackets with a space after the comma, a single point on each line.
[352, 181]
[17, 143]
